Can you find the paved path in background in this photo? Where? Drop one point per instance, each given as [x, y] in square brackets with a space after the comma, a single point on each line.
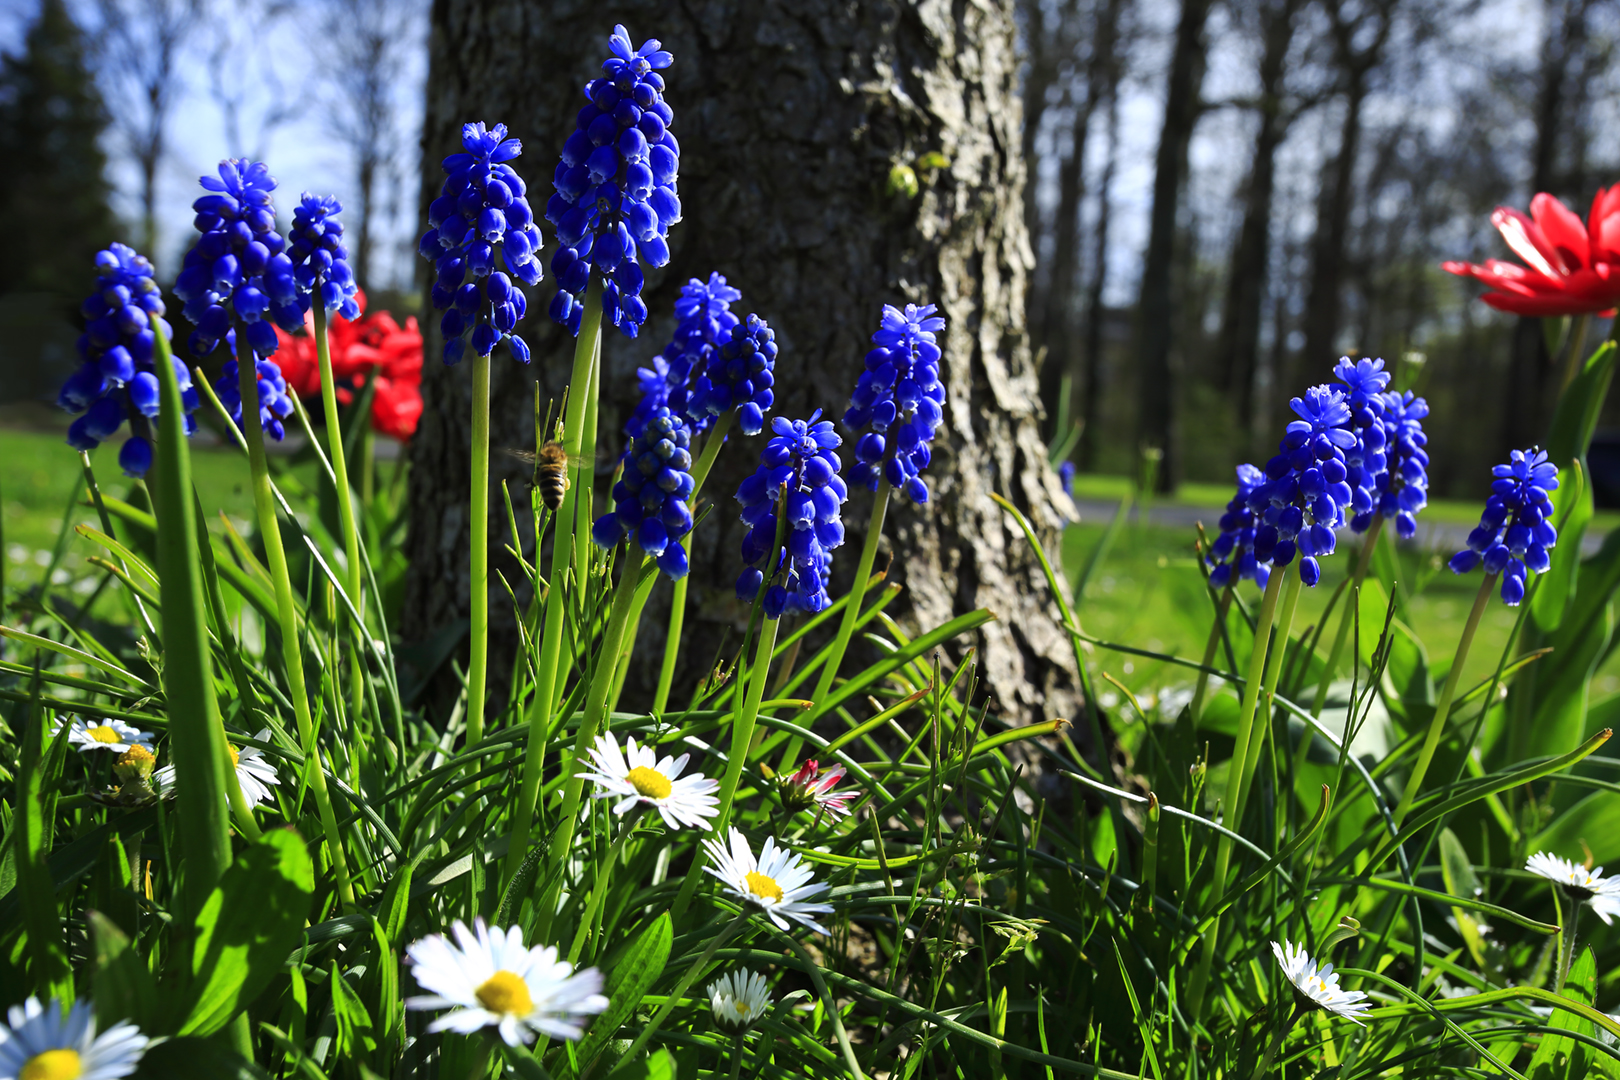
[1444, 536]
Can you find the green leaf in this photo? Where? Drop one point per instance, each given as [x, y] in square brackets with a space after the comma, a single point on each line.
[1408, 670]
[1461, 882]
[253, 918]
[196, 1059]
[1565, 1059]
[122, 987]
[1594, 821]
[659, 1066]
[31, 836]
[354, 1029]
[631, 976]
[1575, 508]
[1579, 406]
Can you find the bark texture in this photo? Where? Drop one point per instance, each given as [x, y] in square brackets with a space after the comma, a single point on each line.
[792, 115]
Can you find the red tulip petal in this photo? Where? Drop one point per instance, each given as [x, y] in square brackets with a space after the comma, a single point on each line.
[1563, 230]
[1524, 236]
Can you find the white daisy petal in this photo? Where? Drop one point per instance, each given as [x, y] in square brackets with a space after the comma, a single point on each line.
[492, 980]
[776, 883]
[739, 998]
[1319, 986]
[55, 1044]
[638, 775]
[114, 735]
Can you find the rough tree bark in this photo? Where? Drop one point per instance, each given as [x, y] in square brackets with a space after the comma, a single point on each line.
[1156, 420]
[791, 116]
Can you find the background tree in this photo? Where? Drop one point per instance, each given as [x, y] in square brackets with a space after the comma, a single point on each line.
[793, 115]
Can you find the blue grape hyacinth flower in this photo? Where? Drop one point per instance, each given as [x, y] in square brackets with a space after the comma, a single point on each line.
[117, 379]
[1364, 382]
[320, 261]
[899, 390]
[703, 324]
[239, 268]
[1306, 492]
[1515, 532]
[615, 187]
[1233, 551]
[651, 500]
[480, 223]
[275, 404]
[801, 459]
[739, 375]
[1403, 487]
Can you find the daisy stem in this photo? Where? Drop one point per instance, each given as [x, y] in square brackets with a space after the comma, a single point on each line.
[1347, 616]
[478, 550]
[687, 979]
[1566, 934]
[738, 1049]
[1442, 708]
[852, 613]
[292, 655]
[1222, 606]
[345, 504]
[582, 384]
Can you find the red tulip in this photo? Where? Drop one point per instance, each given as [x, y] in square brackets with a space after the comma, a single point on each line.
[1569, 271]
[375, 341]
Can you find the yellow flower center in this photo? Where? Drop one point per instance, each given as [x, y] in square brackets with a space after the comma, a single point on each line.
[763, 887]
[505, 993]
[136, 755]
[52, 1065]
[651, 783]
[103, 734]
[236, 755]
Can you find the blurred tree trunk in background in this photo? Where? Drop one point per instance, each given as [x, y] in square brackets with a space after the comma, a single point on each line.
[1156, 389]
[1352, 23]
[1092, 360]
[1237, 349]
[792, 116]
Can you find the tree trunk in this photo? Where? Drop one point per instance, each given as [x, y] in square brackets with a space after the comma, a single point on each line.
[791, 116]
[1155, 421]
[1058, 324]
[1091, 372]
[1323, 305]
[1238, 348]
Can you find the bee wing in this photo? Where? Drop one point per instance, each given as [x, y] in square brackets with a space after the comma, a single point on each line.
[525, 456]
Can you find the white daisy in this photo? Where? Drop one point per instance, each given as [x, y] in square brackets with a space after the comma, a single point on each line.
[489, 979]
[738, 998]
[1319, 986]
[777, 882]
[105, 735]
[253, 771]
[647, 778]
[43, 1043]
[1580, 884]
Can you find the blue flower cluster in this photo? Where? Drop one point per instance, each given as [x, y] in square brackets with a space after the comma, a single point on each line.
[615, 187]
[118, 347]
[481, 214]
[1514, 534]
[899, 386]
[238, 266]
[275, 404]
[1402, 489]
[714, 362]
[320, 261]
[1364, 381]
[739, 375]
[1234, 548]
[651, 497]
[1306, 491]
[703, 323]
[801, 459]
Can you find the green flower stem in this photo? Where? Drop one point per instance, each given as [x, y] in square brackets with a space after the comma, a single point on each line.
[1276, 1043]
[478, 549]
[1566, 934]
[814, 971]
[1348, 615]
[1234, 781]
[275, 558]
[1222, 606]
[687, 979]
[197, 736]
[581, 385]
[596, 701]
[604, 874]
[1442, 708]
[738, 1048]
[340, 482]
[742, 732]
[1292, 587]
[852, 610]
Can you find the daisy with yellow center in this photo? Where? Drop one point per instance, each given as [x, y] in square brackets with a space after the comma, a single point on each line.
[639, 775]
[1318, 987]
[253, 771]
[488, 979]
[778, 883]
[45, 1043]
[739, 998]
[114, 735]
[1579, 883]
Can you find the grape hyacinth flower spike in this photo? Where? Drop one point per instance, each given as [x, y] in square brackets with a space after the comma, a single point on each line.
[899, 389]
[650, 498]
[1403, 487]
[1233, 551]
[1307, 477]
[703, 323]
[1514, 533]
[1364, 381]
[117, 380]
[800, 458]
[320, 261]
[480, 223]
[740, 375]
[615, 187]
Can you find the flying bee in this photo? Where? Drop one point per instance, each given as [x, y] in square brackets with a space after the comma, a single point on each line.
[550, 470]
